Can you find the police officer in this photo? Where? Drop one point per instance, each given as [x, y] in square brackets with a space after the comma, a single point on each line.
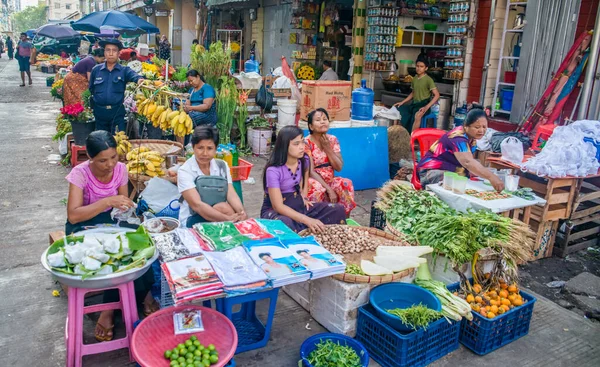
[107, 86]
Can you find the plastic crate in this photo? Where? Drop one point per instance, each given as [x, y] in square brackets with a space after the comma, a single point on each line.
[241, 172]
[377, 219]
[390, 348]
[252, 333]
[483, 335]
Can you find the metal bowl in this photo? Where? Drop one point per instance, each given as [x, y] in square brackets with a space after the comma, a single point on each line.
[170, 221]
[101, 281]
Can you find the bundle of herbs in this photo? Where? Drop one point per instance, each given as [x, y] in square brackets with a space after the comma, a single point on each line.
[227, 100]
[332, 354]
[416, 316]
[405, 207]
[213, 64]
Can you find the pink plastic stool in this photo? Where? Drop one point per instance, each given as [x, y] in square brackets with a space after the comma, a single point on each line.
[74, 325]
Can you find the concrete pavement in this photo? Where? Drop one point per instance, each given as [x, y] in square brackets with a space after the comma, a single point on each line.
[32, 320]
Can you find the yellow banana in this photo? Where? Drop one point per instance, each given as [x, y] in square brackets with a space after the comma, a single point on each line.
[172, 115]
[151, 173]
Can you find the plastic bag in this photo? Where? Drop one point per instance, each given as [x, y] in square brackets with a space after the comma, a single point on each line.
[159, 193]
[63, 145]
[264, 99]
[498, 137]
[512, 150]
[128, 215]
[392, 113]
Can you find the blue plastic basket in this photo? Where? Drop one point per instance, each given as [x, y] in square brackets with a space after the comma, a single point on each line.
[483, 335]
[400, 295]
[310, 344]
[390, 348]
[171, 210]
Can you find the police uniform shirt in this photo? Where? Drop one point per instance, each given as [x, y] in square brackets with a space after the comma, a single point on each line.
[108, 87]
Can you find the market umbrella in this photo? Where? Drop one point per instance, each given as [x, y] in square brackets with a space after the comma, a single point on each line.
[56, 31]
[30, 33]
[123, 23]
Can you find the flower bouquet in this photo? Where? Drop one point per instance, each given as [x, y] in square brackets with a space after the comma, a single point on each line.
[57, 89]
[81, 119]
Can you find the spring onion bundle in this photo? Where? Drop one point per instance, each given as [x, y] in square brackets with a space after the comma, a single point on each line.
[453, 307]
[330, 354]
[416, 316]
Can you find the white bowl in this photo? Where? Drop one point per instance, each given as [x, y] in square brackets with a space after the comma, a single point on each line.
[100, 281]
[169, 220]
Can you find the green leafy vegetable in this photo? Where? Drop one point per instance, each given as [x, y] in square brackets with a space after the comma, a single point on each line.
[416, 316]
[332, 354]
[139, 239]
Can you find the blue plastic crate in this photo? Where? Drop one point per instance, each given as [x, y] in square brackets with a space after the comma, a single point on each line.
[390, 348]
[252, 333]
[483, 335]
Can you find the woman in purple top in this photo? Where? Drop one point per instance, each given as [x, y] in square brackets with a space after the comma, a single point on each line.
[286, 190]
[77, 81]
[95, 188]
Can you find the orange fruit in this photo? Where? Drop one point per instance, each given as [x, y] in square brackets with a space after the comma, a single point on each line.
[475, 307]
[503, 294]
[517, 302]
[476, 288]
[493, 295]
[504, 286]
[505, 308]
[483, 312]
[470, 298]
[478, 299]
[500, 310]
[494, 309]
[511, 297]
[494, 302]
[512, 289]
[506, 302]
[487, 275]
[502, 281]
[491, 315]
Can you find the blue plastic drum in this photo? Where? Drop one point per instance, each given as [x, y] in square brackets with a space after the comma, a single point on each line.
[400, 295]
[310, 344]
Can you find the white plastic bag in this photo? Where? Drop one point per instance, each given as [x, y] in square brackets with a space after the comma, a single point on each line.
[159, 193]
[63, 145]
[392, 113]
[512, 150]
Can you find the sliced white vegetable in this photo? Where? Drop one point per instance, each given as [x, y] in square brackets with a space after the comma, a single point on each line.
[394, 264]
[415, 251]
[370, 268]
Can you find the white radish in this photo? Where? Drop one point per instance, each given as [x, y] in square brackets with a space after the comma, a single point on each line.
[396, 265]
[371, 268]
[414, 251]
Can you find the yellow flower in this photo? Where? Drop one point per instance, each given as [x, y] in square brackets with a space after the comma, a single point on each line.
[55, 293]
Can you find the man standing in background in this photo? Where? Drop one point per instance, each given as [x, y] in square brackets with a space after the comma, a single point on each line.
[24, 48]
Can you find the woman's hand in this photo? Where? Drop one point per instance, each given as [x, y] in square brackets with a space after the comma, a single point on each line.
[243, 215]
[315, 225]
[325, 143]
[120, 202]
[236, 217]
[398, 104]
[497, 183]
[333, 198]
[187, 108]
[307, 203]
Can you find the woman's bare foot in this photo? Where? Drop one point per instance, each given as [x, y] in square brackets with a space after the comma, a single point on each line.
[150, 305]
[105, 325]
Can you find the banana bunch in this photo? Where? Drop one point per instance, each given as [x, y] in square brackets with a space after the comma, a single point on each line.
[180, 122]
[144, 161]
[123, 144]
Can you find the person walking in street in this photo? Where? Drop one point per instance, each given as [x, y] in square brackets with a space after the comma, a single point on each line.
[107, 86]
[24, 49]
[1, 47]
[10, 47]
[164, 48]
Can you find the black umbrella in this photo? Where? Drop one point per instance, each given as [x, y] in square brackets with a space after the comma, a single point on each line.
[56, 31]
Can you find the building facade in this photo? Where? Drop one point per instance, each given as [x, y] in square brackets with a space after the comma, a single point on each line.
[63, 9]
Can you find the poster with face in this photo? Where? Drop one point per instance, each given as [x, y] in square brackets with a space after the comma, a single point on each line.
[311, 254]
[274, 258]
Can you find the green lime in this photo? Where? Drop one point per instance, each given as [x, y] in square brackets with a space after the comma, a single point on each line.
[211, 347]
[214, 353]
[189, 361]
[193, 338]
[168, 354]
[182, 351]
[201, 347]
[188, 343]
[206, 363]
[174, 364]
[196, 343]
[192, 348]
[179, 346]
[197, 353]
[198, 364]
[214, 359]
[190, 365]
[174, 356]
[181, 360]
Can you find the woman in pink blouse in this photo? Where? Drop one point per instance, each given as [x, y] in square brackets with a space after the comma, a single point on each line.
[96, 187]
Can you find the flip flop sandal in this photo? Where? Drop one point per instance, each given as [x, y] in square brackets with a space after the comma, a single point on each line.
[21, 85]
[105, 337]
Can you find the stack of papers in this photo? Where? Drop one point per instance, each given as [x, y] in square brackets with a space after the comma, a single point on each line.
[237, 271]
[276, 260]
[320, 262]
[191, 278]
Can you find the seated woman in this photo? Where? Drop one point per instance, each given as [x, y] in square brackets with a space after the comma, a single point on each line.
[201, 105]
[325, 155]
[205, 184]
[95, 187]
[453, 152]
[285, 183]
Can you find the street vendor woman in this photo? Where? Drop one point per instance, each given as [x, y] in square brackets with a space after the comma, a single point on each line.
[205, 184]
[107, 86]
[201, 105]
[326, 157]
[453, 152]
[285, 183]
[96, 186]
[424, 95]
[77, 80]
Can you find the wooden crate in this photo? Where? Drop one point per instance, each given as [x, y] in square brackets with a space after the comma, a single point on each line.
[544, 239]
[582, 228]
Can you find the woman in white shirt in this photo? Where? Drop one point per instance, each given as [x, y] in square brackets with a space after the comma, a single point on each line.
[205, 184]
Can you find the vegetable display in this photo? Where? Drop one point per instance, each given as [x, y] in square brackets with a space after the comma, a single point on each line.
[330, 354]
[524, 193]
[227, 100]
[144, 161]
[453, 307]
[192, 353]
[341, 239]
[488, 195]
[416, 316]
[492, 298]
[98, 254]
[213, 64]
[405, 207]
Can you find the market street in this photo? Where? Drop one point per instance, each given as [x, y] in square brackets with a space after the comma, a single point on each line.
[33, 191]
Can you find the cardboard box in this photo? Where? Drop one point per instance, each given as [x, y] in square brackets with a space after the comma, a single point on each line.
[334, 96]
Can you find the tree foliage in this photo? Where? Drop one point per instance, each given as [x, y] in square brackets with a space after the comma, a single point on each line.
[31, 17]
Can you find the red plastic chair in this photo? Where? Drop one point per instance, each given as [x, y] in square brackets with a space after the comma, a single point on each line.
[425, 138]
[543, 132]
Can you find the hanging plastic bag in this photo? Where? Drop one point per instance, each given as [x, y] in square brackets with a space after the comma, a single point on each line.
[159, 193]
[512, 150]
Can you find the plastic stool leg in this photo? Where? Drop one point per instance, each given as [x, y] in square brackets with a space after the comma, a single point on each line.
[129, 307]
[78, 325]
[70, 331]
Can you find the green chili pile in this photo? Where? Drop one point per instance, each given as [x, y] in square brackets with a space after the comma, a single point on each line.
[332, 354]
[416, 316]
